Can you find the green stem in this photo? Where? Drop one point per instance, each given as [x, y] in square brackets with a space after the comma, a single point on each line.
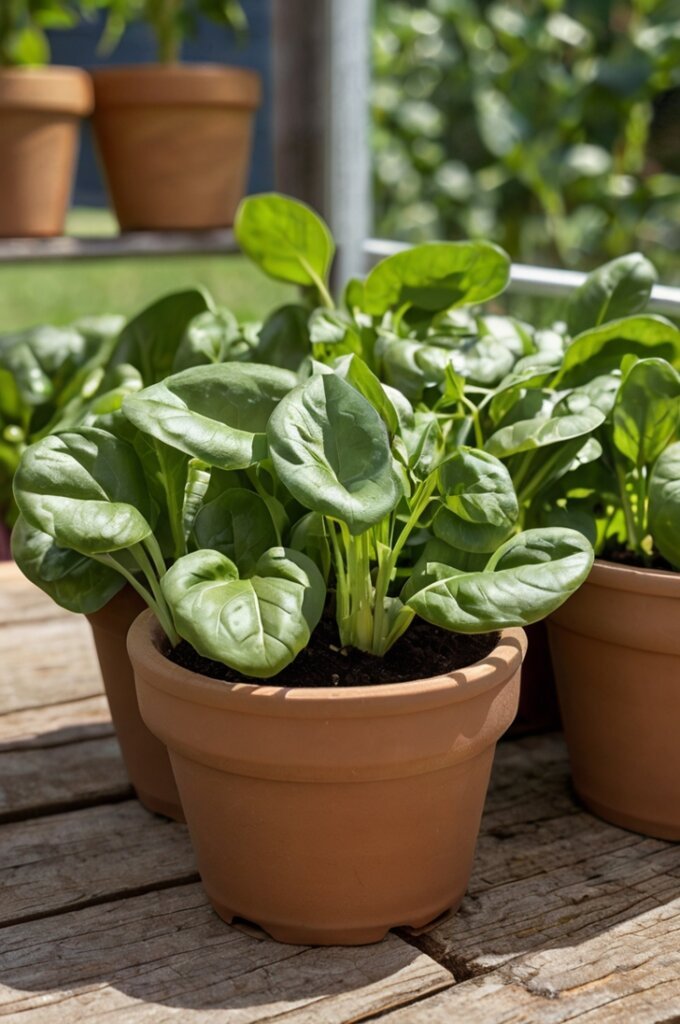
[631, 529]
[160, 605]
[324, 294]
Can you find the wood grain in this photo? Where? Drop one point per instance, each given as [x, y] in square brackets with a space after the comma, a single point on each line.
[21, 601]
[626, 974]
[166, 956]
[56, 863]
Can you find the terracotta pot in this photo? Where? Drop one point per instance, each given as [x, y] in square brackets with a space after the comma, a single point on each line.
[538, 709]
[616, 652]
[40, 112]
[175, 142]
[330, 815]
[146, 759]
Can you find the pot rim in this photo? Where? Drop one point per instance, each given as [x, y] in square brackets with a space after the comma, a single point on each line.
[204, 83]
[146, 635]
[57, 88]
[634, 579]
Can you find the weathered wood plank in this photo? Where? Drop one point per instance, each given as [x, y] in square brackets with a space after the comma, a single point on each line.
[47, 662]
[55, 724]
[21, 601]
[166, 956]
[63, 861]
[626, 973]
[546, 872]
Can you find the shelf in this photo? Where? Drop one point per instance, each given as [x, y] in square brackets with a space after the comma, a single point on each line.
[137, 243]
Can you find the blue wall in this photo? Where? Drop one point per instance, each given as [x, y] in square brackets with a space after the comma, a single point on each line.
[79, 47]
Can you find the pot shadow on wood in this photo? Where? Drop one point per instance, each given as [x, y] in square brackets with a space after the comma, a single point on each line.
[168, 948]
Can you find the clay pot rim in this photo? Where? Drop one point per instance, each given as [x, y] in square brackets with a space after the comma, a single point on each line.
[166, 85]
[145, 637]
[57, 88]
[634, 579]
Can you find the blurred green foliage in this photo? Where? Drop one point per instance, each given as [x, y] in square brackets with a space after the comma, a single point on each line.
[547, 126]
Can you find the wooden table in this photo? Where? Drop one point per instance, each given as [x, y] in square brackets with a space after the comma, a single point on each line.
[102, 917]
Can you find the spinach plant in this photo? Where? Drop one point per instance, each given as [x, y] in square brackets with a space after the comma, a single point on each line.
[23, 24]
[300, 486]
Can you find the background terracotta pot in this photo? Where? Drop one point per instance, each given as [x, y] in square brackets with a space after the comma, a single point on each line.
[616, 653]
[175, 142]
[330, 815]
[40, 112]
[146, 759]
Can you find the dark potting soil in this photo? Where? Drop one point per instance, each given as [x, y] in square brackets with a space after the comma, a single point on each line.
[621, 556]
[423, 651]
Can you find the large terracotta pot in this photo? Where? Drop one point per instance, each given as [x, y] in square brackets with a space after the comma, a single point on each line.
[40, 113]
[175, 142]
[616, 653]
[330, 815]
[146, 759]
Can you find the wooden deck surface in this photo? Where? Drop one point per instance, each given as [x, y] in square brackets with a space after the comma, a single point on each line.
[102, 917]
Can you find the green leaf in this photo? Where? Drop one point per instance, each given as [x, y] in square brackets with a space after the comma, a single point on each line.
[480, 507]
[256, 625]
[211, 337]
[646, 414]
[664, 504]
[530, 434]
[601, 349]
[86, 489]
[72, 580]
[285, 238]
[355, 371]
[215, 413]
[310, 536]
[237, 524]
[284, 338]
[151, 339]
[436, 276]
[526, 579]
[617, 289]
[331, 450]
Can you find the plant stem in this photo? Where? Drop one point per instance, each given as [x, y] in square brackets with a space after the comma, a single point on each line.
[631, 529]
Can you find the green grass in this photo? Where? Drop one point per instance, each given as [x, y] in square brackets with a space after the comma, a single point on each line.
[60, 291]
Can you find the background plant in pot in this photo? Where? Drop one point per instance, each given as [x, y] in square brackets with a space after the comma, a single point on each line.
[40, 112]
[55, 378]
[615, 645]
[174, 139]
[296, 500]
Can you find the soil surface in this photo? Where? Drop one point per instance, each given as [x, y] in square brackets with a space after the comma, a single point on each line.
[621, 556]
[423, 651]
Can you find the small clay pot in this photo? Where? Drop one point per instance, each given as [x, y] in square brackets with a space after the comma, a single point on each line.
[616, 653]
[146, 759]
[330, 815]
[175, 142]
[40, 112]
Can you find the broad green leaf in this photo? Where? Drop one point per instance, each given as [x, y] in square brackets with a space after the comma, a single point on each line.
[257, 624]
[526, 579]
[284, 338]
[617, 289]
[664, 504]
[646, 416]
[72, 580]
[480, 507]
[436, 276]
[151, 339]
[310, 536]
[211, 337]
[285, 238]
[86, 489]
[601, 349]
[332, 334]
[355, 371]
[331, 450]
[530, 434]
[216, 413]
[237, 524]
[440, 561]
